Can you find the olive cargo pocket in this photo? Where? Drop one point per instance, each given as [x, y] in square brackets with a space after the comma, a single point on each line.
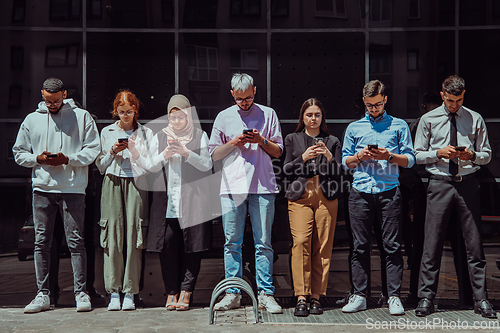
[141, 227]
[103, 223]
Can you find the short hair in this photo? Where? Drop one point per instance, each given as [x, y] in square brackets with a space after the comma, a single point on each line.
[454, 85]
[431, 97]
[53, 85]
[241, 82]
[373, 88]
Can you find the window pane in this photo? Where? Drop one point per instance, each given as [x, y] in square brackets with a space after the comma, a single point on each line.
[147, 70]
[325, 6]
[413, 8]
[340, 4]
[56, 56]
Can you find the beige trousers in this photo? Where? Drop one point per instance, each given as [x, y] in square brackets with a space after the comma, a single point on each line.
[123, 225]
[312, 224]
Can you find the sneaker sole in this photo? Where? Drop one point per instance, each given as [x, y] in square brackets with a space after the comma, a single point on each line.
[36, 310]
[263, 308]
[83, 309]
[354, 311]
[128, 309]
[226, 309]
[397, 313]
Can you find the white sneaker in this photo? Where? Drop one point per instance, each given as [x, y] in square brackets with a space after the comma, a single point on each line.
[356, 303]
[114, 302]
[40, 303]
[83, 302]
[230, 301]
[268, 303]
[395, 306]
[128, 302]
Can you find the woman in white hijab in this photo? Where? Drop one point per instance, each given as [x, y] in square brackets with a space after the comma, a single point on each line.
[178, 229]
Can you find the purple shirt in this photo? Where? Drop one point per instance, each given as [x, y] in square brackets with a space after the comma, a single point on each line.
[247, 169]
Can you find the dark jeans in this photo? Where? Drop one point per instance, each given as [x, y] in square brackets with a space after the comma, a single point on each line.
[363, 209]
[178, 268]
[442, 198]
[72, 209]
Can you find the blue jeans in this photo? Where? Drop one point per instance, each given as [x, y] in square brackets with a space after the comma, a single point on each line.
[72, 208]
[260, 207]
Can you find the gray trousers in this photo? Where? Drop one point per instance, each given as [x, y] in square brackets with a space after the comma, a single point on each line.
[72, 209]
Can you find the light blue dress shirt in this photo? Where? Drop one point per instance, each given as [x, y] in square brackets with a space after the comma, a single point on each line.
[393, 134]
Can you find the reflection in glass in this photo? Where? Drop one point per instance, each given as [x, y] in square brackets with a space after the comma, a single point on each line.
[65, 10]
[245, 7]
[331, 8]
[18, 10]
[60, 56]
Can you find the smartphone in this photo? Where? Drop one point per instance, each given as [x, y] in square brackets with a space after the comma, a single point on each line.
[173, 142]
[122, 140]
[316, 141]
[248, 131]
[460, 148]
[51, 155]
[372, 146]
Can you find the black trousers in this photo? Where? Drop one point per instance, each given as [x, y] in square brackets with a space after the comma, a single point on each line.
[463, 198]
[386, 208]
[178, 268]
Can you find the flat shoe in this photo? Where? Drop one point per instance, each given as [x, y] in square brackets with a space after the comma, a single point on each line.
[315, 307]
[301, 309]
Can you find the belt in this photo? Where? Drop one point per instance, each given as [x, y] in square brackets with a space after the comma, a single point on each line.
[456, 179]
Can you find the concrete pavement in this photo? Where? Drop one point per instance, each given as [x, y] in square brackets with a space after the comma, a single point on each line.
[17, 288]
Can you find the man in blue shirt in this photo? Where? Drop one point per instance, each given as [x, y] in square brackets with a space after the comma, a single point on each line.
[374, 147]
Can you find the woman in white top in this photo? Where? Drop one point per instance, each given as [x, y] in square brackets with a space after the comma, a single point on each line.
[123, 204]
[179, 227]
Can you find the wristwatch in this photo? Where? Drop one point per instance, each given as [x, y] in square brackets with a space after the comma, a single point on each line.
[473, 158]
[265, 141]
[390, 157]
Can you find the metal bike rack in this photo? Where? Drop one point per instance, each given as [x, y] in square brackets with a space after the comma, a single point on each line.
[233, 282]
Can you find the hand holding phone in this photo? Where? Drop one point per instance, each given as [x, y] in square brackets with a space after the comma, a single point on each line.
[51, 155]
[460, 148]
[372, 147]
[248, 131]
[121, 140]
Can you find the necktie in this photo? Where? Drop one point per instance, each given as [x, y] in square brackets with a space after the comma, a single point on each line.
[453, 142]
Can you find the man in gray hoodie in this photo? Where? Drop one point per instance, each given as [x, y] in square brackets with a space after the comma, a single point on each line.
[58, 141]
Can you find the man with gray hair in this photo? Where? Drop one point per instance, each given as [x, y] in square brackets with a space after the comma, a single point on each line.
[58, 141]
[246, 136]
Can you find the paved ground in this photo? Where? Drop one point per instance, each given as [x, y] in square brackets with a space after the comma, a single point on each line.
[17, 288]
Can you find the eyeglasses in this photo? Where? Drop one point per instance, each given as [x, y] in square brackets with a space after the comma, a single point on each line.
[49, 103]
[376, 106]
[128, 113]
[240, 100]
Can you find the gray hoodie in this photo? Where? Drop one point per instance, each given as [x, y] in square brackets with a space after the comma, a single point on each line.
[71, 131]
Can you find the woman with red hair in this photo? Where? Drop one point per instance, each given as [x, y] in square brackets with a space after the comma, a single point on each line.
[124, 206]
